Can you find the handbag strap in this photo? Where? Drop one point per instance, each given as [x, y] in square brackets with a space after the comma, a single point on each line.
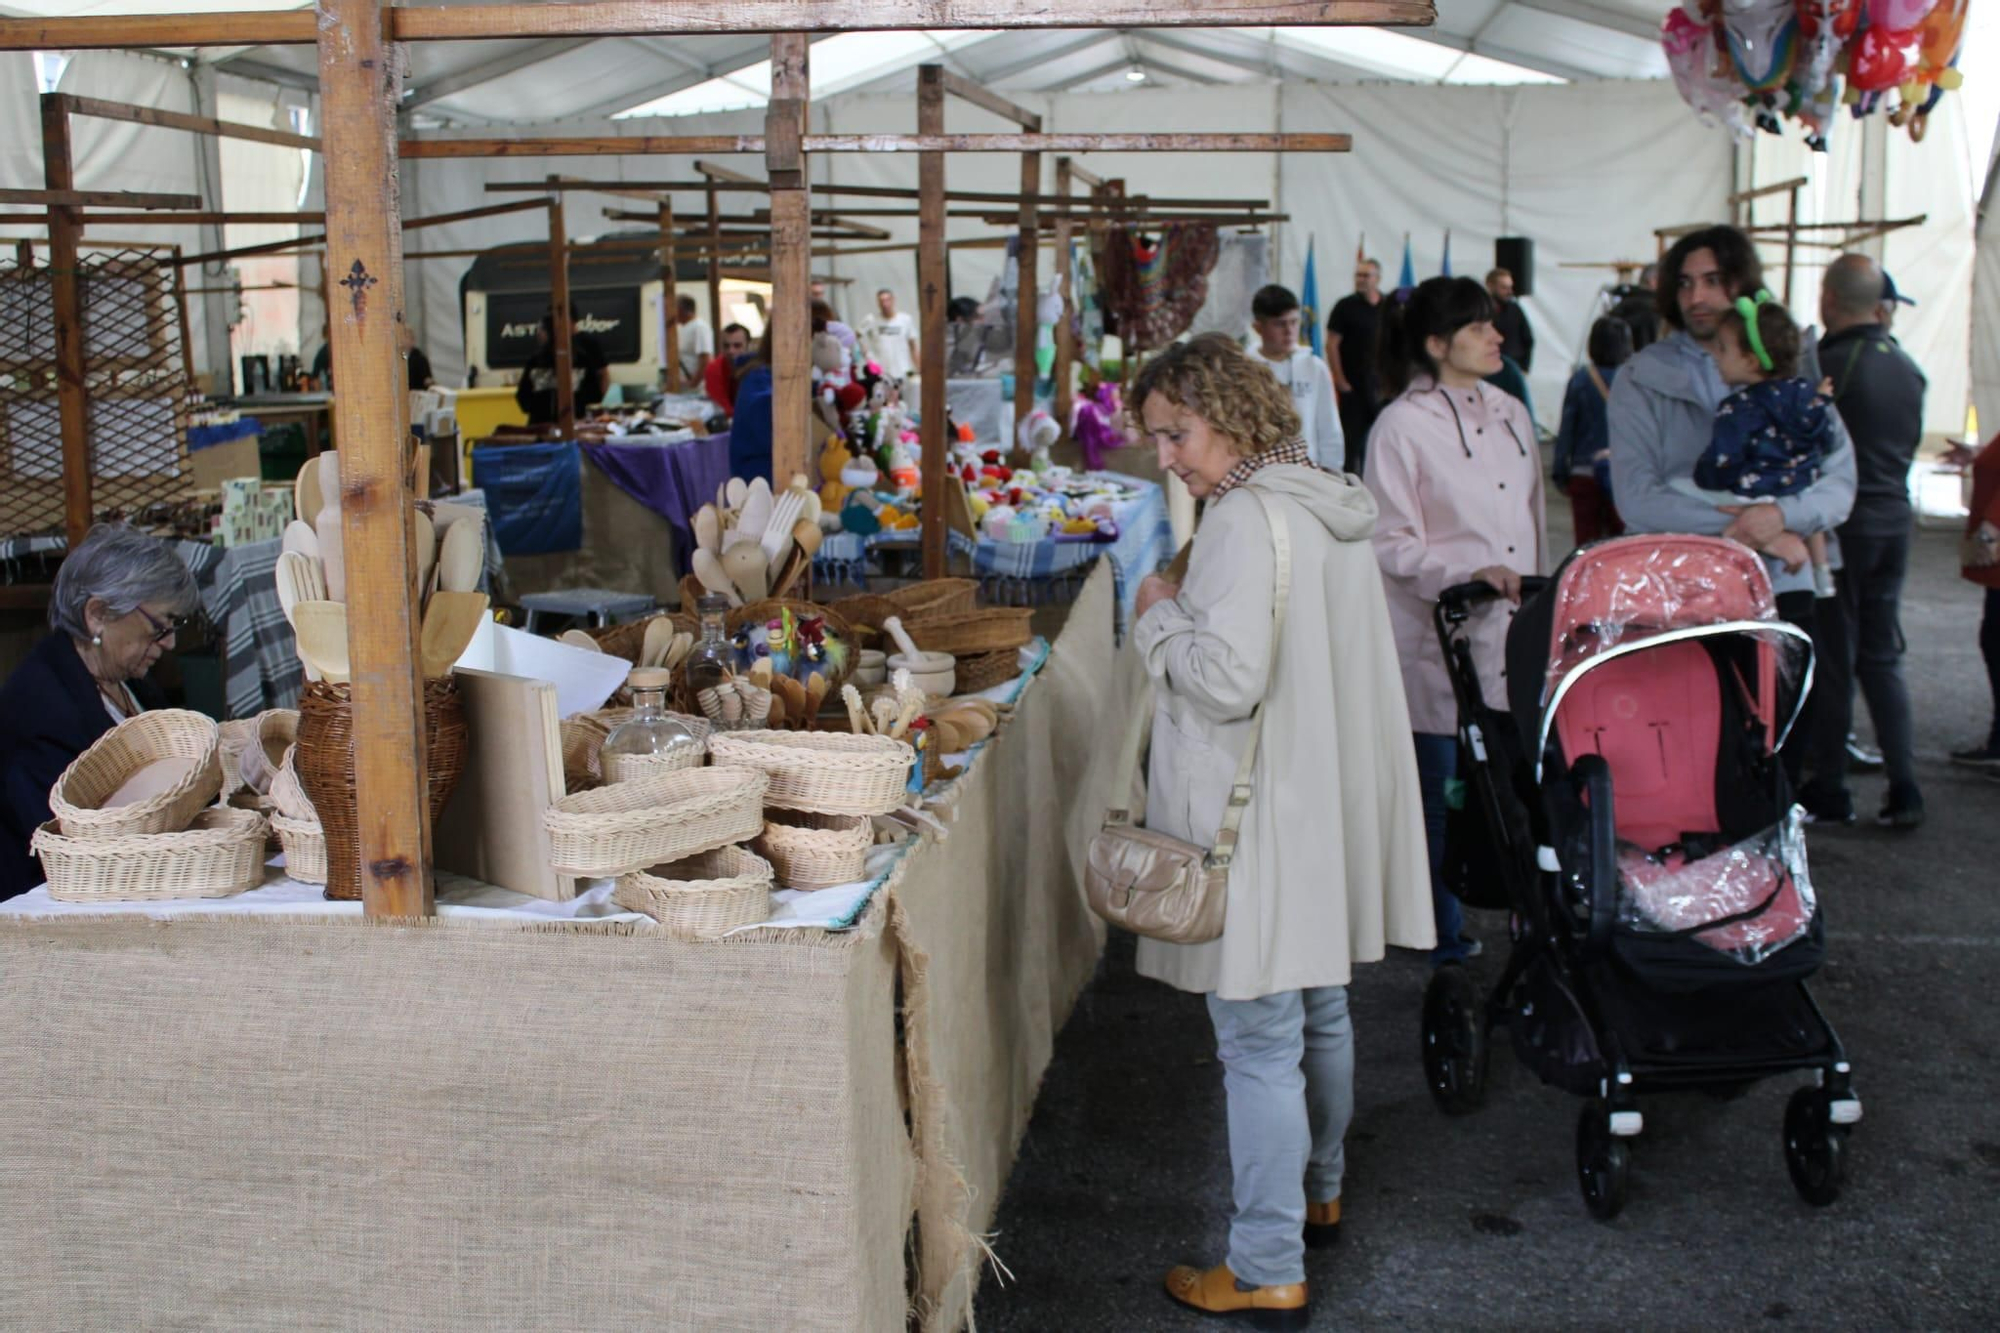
[1224, 850]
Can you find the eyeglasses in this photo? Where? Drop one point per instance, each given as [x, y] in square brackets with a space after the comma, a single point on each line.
[163, 632]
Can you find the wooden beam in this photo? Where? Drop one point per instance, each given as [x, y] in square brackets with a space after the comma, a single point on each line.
[175, 120]
[360, 74]
[714, 255]
[644, 189]
[1065, 403]
[1027, 291]
[1081, 177]
[468, 214]
[680, 18]
[1745, 196]
[617, 146]
[564, 335]
[715, 171]
[980, 96]
[70, 198]
[72, 404]
[222, 219]
[792, 433]
[934, 284]
[412, 224]
[670, 301]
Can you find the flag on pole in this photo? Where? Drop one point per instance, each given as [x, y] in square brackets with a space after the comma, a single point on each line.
[1309, 302]
[1361, 250]
[1407, 280]
[1446, 270]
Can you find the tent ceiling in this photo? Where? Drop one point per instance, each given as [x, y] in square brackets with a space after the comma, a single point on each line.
[1475, 41]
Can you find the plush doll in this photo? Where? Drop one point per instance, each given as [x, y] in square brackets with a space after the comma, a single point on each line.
[1094, 423]
[1037, 434]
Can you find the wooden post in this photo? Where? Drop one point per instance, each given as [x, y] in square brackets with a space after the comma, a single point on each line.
[1027, 292]
[562, 335]
[934, 283]
[1791, 240]
[791, 261]
[1065, 332]
[72, 407]
[361, 82]
[714, 257]
[670, 339]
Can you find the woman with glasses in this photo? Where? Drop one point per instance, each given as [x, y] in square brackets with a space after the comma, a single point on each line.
[118, 599]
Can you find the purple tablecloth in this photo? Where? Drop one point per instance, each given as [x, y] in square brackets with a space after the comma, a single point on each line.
[672, 480]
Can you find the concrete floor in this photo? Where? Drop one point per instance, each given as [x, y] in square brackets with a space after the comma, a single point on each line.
[1478, 1222]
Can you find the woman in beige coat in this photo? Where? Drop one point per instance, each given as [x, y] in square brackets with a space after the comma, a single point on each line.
[1331, 864]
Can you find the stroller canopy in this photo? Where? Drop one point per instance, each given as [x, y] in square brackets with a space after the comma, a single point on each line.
[1616, 598]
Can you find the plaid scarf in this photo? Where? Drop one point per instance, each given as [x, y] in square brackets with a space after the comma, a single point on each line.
[1293, 453]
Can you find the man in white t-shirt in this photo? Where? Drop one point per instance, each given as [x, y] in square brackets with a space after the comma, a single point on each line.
[892, 337]
[1275, 316]
[697, 343]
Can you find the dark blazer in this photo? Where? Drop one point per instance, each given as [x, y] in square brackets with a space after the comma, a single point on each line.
[50, 712]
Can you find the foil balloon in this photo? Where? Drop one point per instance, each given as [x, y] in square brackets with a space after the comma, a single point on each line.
[1898, 15]
[1939, 37]
[1763, 38]
[1692, 57]
[1879, 60]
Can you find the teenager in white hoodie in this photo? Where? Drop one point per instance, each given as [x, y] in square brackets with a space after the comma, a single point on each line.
[1275, 315]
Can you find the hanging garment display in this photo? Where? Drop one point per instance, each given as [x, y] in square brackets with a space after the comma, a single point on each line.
[1155, 281]
[1242, 265]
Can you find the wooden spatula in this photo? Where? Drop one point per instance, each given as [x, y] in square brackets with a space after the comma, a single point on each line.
[322, 631]
[449, 624]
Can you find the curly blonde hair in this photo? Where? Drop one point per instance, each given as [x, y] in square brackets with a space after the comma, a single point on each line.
[1214, 378]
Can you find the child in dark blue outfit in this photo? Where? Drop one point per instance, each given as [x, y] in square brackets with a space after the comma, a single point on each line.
[1772, 434]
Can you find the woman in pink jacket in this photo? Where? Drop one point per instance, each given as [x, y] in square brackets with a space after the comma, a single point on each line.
[1457, 479]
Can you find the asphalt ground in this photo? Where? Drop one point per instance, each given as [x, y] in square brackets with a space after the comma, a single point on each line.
[1477, 1221]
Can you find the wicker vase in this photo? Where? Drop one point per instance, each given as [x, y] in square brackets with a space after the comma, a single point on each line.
[324, 762]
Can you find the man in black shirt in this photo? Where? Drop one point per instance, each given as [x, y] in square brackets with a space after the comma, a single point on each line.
[536, 392]
[1517, 339]
[1879, 392]
[1350, 354]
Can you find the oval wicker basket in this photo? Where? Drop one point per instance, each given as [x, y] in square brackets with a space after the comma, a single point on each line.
[288, 798]
[814, 851]
[222, 854]
[627, 639]
[701, 897]
[628, 826]
[935, 597]
[584, 734]
[97, 773]
[982, 671]
[632, 767]
[992, 630]
[828, 772]
[276, 731]
[232, 739]
[305, 848]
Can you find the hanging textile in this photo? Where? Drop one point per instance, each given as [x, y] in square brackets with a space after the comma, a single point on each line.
[1087, 317]
[1242, 265]
[1153, 282]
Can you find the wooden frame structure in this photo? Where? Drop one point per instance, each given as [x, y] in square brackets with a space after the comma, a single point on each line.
[360, 85]
[1743, 215]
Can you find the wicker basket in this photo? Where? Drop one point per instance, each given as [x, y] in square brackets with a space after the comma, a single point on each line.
[935, 597]
[702, 897]
[277, 729]
[232, 739]
[305, 848]
[97, 773]
[995, 629]
[628, 826]
[324, 762]
[628, 639]
[222, 854]
[983, 671]
[632, 768]
[827, 772]
[814, 851]
[584, 734]
[288, 798]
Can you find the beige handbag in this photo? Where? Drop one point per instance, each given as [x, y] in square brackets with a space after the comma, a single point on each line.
[1159, 886]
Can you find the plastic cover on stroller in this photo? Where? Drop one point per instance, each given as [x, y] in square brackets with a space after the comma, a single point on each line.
[1747, 901]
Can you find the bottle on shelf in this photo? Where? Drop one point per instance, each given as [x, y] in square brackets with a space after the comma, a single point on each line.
[713, 660]
[650, 732]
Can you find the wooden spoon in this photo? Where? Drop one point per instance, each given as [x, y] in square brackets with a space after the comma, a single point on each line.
[744, 564]
[307, 500]
[462, 556]
[299, 536]
[708, 571]
[678, 651]
[757, 506]
[576, 638]
[426, 551]
[708, 529]
[659, 639]
[322, 631]
[449, 624]
[735, 490]
[332, 552]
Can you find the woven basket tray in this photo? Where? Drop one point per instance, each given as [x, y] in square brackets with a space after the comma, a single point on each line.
[628, 826]
[628, 639]
[827, 772]
[982, 671]
[222, 854]
[584, 734]
[935, 597]
[305, 848]
[814, 851]
[97, 773]
[275, 731]
[232, 739]
[992, 630]
[631, 768]
[701, 897]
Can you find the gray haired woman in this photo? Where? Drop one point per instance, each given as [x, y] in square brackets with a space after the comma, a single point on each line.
[119, 598]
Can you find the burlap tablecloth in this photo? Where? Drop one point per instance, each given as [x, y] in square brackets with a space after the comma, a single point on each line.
[249, 1123]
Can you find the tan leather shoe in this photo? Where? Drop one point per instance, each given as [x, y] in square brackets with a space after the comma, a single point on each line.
[1322, 1224]
[1217, 1292]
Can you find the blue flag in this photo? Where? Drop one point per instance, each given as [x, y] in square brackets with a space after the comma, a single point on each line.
[1309, 302]
[1407, 280]
[1446, 270]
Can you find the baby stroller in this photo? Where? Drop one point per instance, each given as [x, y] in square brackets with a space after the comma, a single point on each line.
[1629, 810]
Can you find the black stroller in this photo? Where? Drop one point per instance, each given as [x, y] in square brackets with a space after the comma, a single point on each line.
[1630, 812]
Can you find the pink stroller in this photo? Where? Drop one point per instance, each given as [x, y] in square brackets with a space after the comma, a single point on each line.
[1629, 809]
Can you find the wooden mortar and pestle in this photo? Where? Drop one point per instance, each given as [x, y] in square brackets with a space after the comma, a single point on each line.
[933, 673]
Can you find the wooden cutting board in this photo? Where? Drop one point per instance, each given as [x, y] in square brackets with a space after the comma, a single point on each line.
[492, 828]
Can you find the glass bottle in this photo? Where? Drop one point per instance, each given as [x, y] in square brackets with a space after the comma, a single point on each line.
[649, 733]
[713, 660]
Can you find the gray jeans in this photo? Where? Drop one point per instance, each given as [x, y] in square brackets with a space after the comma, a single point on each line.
[1288, 1069]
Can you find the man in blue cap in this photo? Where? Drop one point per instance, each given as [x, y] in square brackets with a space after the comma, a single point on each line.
[1892, 300]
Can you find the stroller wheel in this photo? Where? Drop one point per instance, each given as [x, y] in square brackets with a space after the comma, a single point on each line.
[1815, 1147]
[1603, 1162]
[1455, 1040]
